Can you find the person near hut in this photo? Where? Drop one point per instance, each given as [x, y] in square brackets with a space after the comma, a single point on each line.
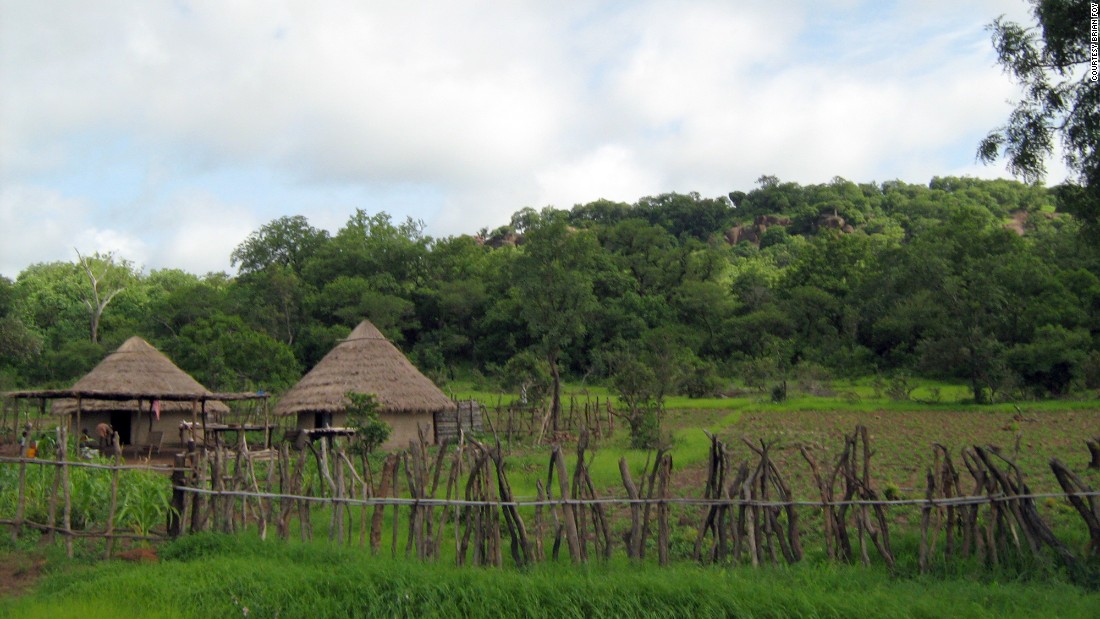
[27, 445]
[104, 432]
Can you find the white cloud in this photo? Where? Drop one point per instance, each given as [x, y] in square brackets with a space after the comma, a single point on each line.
[609, 172]
[38, 224]
[197, 230]
[193, 231]
[476, 109]
[119, 243]
[399, 93]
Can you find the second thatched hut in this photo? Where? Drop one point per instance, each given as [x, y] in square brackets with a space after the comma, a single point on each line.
[366, 362]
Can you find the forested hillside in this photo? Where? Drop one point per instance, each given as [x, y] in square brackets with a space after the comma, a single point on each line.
[980, 281]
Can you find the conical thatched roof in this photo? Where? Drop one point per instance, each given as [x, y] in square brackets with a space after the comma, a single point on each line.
[366, 362]
[138, 368]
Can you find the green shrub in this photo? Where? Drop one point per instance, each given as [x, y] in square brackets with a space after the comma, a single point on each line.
[370, 430]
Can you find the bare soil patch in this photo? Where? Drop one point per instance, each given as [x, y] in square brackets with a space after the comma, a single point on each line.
[902, 441]
[19, 572]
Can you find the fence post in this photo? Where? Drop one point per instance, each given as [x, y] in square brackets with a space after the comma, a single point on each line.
[20, 506]
[179, 496]
[117, 449]
[569, 515]
[66, 489]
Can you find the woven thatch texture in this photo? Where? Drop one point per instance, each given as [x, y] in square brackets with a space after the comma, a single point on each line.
[366, 362]
[139, 368]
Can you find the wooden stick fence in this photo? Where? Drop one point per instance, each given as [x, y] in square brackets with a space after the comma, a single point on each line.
[746, 515]
[514, 421]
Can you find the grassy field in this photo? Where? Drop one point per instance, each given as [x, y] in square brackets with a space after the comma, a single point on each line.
[207, 575]
[218, 576]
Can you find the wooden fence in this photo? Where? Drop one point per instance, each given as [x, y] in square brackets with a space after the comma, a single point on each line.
[459, 502]
[518, 421]
[60, 497]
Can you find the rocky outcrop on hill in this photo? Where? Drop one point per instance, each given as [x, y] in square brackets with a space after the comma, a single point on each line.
[754, 231]
[499, 239]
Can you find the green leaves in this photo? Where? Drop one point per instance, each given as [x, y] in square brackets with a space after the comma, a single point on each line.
[1053, 360]
[225, 354]
[1049, 61]
[286, 241]
[370, 430]
[143, 502]
[917, 278]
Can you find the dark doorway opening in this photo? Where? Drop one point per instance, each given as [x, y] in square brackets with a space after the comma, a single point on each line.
[120, 421]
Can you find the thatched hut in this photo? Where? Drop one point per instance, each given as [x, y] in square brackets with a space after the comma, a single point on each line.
[366, 362]
[164, 396]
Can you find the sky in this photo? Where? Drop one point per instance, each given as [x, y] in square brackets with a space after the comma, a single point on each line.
[167, 131]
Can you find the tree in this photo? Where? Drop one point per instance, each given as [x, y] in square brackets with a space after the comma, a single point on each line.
[46, 300]
[270, 289]
[553, 288]
[634, 383]
[601, 212]
[964, 277]
[66, 362]
[687, 215]
[704, 306]
[286, 241]
[347, 300]
[392, 257]
[647, 251]
[177, 299]
[528, 374]
[19, 346]
[224, 353]
[643, 373]
[1053, 360]
[105, 281]
[454, 298]
[272, 300]
[1061, 98]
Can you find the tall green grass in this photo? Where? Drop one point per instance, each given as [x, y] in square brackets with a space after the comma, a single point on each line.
[142, 502]
[222, 576]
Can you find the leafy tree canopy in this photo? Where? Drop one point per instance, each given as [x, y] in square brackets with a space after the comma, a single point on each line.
[1061, 100]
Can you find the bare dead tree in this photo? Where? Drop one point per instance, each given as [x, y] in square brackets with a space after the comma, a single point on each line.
[103, 288]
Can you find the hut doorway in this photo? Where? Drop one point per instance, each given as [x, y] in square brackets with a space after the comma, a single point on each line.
[120, 421]
[322, 420]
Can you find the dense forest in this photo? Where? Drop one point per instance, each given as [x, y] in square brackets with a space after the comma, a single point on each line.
[982, 281]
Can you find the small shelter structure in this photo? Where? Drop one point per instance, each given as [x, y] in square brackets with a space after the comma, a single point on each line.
[159, 396]
[366, 362]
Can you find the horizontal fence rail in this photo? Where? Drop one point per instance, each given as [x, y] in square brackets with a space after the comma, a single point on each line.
[956, 502]
[91, 465]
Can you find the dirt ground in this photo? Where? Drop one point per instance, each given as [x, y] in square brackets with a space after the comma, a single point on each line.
[19, 571]
[902, 442]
